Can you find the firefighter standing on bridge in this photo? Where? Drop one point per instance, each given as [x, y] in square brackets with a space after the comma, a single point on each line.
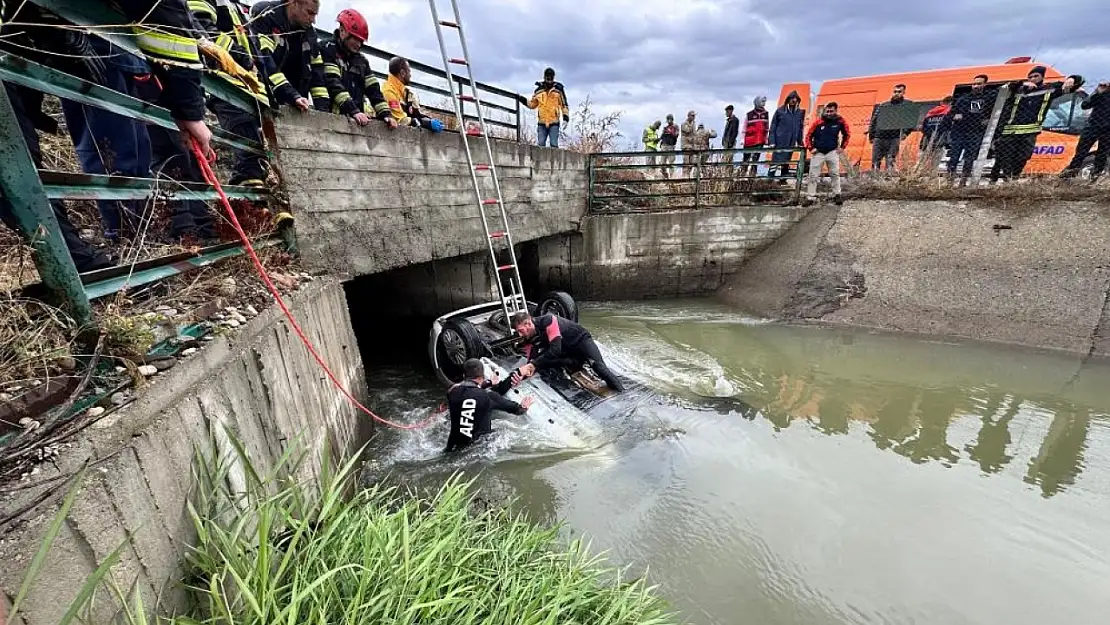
[223, 21]
[350, 88]
[289, 54]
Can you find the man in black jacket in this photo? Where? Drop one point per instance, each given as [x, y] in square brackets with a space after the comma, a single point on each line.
[966, 124]
[471, 401]
[732, 131]
[1097, 131]
[552, 342]
[885, 142]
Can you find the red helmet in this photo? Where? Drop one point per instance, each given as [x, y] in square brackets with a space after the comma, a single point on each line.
[354, 23]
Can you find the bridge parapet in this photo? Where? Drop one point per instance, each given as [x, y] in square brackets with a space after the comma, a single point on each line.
[372, 199]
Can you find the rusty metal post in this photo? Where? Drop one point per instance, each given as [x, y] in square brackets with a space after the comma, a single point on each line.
[23, 192]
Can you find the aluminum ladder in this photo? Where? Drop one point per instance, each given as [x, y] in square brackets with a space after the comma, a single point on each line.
[513, 301]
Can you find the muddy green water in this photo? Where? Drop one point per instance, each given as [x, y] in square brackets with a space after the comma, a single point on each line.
[808, 475]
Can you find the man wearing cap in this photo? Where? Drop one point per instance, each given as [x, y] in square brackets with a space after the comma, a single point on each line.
[1021, 121]
[550, 102]
[732, 131]
[688, 133]
[651, 140]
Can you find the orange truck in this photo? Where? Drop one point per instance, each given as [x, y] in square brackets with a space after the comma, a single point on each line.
[858, 98]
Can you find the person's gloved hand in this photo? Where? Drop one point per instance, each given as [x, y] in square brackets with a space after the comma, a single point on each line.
[522, 99]
[434, 125]
[566, 118]
[228, 64]
[87, 64]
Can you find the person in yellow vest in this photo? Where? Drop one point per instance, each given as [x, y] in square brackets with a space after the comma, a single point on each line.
[550, 103]
[402, 102]
[651, 140]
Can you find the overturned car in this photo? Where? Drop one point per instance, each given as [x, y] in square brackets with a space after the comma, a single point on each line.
[484, 332]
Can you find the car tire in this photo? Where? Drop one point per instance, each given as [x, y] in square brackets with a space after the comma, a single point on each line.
[458, 342]
[559, 303]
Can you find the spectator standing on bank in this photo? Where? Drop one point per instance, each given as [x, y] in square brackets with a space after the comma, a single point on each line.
[966, 124]
[688, 134]
[704, 138]
[934, 134]
[787, 131]
[827, 137]
[732, 131]
[550, 102]
[651, 140]
[667, 145]
[1022, 120]
[756, 129]
[885, 143]
[1097, 131]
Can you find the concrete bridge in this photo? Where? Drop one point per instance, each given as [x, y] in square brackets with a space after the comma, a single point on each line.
[372, 199]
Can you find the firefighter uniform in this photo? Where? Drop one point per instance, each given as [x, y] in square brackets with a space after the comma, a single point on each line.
[223, 21]
[289, 56]
[347, 86]
[1021, 125]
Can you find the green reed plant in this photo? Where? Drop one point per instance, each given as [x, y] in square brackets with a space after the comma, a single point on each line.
[283, 551]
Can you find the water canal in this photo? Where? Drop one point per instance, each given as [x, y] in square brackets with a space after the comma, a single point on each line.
[782, 475]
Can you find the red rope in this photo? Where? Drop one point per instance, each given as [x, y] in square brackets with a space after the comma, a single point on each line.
[210, 176]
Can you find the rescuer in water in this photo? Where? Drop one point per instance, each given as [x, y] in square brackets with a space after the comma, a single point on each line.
[551, 341]
[470, 402]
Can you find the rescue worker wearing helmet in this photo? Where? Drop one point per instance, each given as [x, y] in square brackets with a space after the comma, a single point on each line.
[349, 87]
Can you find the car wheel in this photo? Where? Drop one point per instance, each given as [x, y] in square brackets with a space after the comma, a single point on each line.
[458, 342]
[561, 304]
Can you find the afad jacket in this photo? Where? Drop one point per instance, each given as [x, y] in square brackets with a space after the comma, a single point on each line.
[550, 103]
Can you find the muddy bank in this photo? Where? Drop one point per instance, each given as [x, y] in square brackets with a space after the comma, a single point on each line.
[1032, 274]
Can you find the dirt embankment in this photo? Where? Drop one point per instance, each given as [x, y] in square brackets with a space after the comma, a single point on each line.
[1035, 274]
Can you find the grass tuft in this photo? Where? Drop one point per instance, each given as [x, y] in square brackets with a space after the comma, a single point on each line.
[282, 551]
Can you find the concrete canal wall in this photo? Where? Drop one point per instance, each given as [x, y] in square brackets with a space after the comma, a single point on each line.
[1036, 275]
[655, 255]
[262, 385]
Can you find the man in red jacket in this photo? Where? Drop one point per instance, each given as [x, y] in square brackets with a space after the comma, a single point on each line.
[756, 124]
[827, 137]
[934, 131]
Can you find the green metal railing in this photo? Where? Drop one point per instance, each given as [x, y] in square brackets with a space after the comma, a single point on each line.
[628, 182]
[29, 191]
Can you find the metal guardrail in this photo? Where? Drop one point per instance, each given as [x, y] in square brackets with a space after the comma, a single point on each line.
[30, 191]
[632, 182]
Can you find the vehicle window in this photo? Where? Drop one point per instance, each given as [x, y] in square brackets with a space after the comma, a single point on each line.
[1079, 118]
[1064, 113]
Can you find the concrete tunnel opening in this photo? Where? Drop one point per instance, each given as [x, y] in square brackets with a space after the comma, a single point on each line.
[392, 311]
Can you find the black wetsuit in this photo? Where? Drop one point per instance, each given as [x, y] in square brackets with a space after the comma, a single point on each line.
[470, 406]
[563, 343]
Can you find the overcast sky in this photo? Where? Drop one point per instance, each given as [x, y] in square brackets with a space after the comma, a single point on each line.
[648, 58]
